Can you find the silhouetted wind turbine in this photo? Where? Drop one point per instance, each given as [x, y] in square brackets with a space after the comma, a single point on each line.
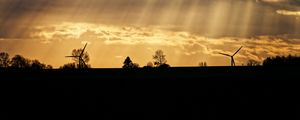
[81, 63]
[231, 56]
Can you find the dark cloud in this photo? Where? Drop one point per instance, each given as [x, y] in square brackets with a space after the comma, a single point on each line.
[282, 4]
[18, 16]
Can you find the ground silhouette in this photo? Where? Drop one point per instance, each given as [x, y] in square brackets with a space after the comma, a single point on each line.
[173, 93]
[241, 92]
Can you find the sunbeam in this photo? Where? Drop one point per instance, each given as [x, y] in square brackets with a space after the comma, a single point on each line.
[188, 31]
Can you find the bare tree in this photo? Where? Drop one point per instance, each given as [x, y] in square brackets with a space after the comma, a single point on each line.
[159, 58]
[4, 60]
[202, 64]
[253, 63]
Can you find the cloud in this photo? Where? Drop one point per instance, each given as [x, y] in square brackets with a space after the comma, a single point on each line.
[273, 1]
[282, 4]
[86, 42]
[215, 18]
[119, 56]
[185, 43]
[289, 13]
[181, 46]
[189, 28]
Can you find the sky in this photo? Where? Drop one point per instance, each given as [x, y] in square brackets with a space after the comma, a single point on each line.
[188, 31]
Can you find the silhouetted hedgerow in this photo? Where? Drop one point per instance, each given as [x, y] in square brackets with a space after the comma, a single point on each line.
[20, 62]
[282, 61]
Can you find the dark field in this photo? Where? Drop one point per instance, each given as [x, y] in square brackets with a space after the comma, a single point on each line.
[174, 93]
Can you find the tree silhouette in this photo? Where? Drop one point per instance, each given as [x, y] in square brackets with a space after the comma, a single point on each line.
[68, 66]
[35, 64]
[135, 65]
[149, 65]
[164, 66]
[203, 64]
[19, 61]
[282, 61]
[4, 60]
[128, 64]
[253, 63]
[85, 58]
[159, 58]
[49, 67]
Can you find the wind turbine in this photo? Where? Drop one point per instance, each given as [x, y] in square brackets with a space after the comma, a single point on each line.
[81, 63]
[231, 56]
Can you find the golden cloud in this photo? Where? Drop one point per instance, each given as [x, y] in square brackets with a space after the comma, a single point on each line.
[184, 43]
[288, 12]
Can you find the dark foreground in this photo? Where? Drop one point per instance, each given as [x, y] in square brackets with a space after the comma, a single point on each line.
[174, 93]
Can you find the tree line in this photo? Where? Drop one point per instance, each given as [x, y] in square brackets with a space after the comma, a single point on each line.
[277, 61]
[18, 61]
[159, 61]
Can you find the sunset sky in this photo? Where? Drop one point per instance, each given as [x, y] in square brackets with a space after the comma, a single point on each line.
[188, 31]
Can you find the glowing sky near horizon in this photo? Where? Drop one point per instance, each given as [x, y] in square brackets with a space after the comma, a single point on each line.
[188, 31]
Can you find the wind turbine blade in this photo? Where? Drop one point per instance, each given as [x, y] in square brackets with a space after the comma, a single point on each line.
[225, 54]
[84, 64]
[71, 56]
[83, 49]
[237, 51]
[82, 61]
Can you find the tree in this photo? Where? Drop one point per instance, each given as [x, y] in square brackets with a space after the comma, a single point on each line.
[203, 64]
[19, 61]
[68, 66]
[159, 58]
[164, 66]
[4, 60]
[128, 64]
[35, 64]
[49, 67]
[149, 65]
[282, 61]
[85, 57]
[135, 65]
[253, 63]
